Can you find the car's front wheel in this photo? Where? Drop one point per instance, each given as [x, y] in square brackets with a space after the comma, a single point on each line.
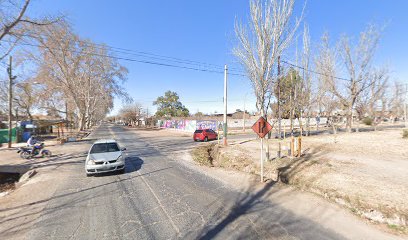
[205, 139]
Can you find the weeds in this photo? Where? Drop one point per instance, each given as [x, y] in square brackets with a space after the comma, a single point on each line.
[405, 133]
[202, 155]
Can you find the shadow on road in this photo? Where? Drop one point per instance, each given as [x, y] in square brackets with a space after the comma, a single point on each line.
[82, 190]
[249, 215]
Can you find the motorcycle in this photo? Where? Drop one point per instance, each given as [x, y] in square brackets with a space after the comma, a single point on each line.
[28, 152]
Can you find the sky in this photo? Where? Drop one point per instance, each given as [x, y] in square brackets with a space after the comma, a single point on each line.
[203, 31]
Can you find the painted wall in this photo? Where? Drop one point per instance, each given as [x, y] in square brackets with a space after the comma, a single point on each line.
[192, 125]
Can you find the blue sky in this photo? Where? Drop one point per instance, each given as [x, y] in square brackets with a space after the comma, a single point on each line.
[204, 31]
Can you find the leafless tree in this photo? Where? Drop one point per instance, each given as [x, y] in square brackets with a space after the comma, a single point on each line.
[270, 31]
[78, 73]
[132, 113]
[357, 59]
[306, 86]
[26, 97]
[326, 65]
[397, 100]
[373, 101]
[14, 24]
[377, 92]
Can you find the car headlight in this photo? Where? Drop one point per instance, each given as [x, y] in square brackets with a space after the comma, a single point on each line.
[120, 158]
[91, 162]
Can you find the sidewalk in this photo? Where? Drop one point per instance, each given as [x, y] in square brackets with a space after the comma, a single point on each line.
[10, 160]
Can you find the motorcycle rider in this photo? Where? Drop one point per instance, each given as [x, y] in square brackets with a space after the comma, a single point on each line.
[32, 142]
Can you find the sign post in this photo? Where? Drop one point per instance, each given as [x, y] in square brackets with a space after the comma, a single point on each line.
[218, 132]
[261, 127]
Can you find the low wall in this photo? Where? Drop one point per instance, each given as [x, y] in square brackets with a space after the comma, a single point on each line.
[192, 125]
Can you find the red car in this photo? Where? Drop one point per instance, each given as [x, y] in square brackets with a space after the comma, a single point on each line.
[204, 135]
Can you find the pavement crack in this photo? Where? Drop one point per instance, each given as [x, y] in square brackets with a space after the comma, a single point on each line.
[161, 205]
[76, 229]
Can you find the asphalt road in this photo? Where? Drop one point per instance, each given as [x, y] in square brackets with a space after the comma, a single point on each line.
[160, 198]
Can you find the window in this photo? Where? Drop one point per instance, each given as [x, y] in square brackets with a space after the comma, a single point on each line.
[198, 131]
[105, 147]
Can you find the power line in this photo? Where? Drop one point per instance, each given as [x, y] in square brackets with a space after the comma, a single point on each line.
[315, 72]
[139, 61]
[147, 54]
[197, 66]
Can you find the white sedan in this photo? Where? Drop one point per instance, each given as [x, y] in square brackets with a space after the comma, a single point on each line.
[105, 156]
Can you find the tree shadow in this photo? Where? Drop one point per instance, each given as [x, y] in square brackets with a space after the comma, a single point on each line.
[251, 215]
[81, 190]
[298, 165]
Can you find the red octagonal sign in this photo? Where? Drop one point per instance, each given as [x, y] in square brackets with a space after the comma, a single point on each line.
[261, 127]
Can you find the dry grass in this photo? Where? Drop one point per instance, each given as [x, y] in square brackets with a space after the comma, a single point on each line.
[404, 133]
[366, 172]
[202, 155]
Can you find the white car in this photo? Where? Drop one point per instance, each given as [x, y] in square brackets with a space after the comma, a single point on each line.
[105, 156]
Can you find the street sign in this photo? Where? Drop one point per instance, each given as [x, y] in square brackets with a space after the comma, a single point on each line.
[261, 127]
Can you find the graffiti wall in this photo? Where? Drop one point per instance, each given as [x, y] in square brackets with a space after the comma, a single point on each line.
[176, 124]
[187, 125]
[190, 125]
[207, 124]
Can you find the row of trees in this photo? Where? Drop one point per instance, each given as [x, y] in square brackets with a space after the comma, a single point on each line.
[61, 73]
[312, 86]
[168, 106]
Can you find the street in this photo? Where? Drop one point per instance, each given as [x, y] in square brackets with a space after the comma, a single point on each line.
[157, 198]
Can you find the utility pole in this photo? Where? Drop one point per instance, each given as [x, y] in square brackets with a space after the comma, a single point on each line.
[405, 107]
[243, 116]
[16, 125]
[10, 97]
[225, 104]
[279, 110]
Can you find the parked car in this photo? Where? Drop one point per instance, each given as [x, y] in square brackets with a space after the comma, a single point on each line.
[105, 156]
[204, 135]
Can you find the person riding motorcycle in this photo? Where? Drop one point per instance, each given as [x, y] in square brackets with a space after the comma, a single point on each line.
[33, 143]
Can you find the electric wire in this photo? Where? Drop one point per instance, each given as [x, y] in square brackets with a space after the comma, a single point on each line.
[147, 54]
[170, 61]
[137, 60]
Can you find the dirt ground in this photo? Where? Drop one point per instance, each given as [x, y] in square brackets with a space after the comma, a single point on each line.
[366, 172]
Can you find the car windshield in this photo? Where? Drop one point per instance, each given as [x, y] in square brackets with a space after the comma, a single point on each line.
[198, 131]
[104, 147]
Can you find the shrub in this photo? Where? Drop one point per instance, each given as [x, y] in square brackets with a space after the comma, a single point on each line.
[202, 155]
[405, 133]
[368, 121]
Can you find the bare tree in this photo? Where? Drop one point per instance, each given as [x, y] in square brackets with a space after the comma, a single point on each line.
[357, 60]
[26, 97]
[269, 32]
[377, 95]
[306, 87]
[397, 100]
[325, 63]
[79, 73]
[132, 113]
[14, 24]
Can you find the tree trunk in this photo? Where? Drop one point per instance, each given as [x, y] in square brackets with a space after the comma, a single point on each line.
[308, 125]
[349, 120]
[81, 122]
